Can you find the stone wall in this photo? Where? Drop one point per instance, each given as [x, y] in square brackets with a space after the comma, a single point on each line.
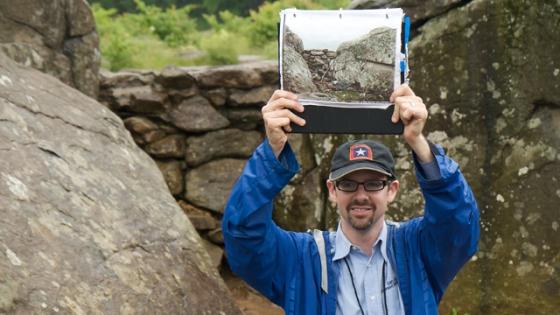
[199, 125]
[320, 64]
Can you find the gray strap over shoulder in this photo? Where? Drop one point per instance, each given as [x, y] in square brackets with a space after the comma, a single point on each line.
[320, 241]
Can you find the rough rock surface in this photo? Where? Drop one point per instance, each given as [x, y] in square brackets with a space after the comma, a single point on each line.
[296, 75]
[57, 37]
[494, 91]
[237, 76]
[88, 225]
[220, 144]
[292, 39]
[209, 185]
[196, 114]
[369, 73]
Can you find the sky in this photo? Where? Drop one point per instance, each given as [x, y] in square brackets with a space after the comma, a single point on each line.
[326, 29]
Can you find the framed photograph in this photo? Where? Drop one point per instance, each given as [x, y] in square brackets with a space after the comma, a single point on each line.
[344, 65]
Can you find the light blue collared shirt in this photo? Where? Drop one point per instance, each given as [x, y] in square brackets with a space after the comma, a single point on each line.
[367, 274]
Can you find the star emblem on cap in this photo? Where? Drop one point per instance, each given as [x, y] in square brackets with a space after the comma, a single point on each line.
[360, 152]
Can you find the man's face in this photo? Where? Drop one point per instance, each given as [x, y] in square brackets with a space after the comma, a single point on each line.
[361, 210]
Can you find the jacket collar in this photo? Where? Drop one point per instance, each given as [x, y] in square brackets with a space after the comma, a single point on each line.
[343, 246]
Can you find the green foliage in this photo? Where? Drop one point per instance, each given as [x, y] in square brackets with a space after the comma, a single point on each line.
[129, 6]
[264, 27]
[222, 47]
[333, 4]
[240, 7]
[172, 25]
[229, 22]
[115, 43]
[154, 37]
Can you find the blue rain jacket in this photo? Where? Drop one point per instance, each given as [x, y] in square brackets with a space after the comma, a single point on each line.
[290, 268]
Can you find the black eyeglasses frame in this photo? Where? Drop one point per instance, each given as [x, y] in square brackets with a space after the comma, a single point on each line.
[386, 182]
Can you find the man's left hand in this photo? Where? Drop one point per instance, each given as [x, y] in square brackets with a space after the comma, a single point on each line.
[411, 110]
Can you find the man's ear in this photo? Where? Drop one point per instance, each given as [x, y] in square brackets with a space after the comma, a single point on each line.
[393, 189]
[332, 192]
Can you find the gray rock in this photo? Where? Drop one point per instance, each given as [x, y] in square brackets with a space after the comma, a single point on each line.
[244, 118]
[139, 124]
[153, 136]
[172, 146]
[138, 99]
[366, 65]
[173, 175]
[216, 253]
[143, 130]
[498, 114]
[208, 186]
[295, 74]
[125, 78]
[217, 96]
[195, 115]
[291, 39]
[256, 96]
[237, 76]
[216, 236]
[200, 219]
[88, 225]
[222, 143]
[57, 37]
[175, 78]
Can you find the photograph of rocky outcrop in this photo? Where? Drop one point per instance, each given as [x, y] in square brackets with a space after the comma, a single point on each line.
[339, 59]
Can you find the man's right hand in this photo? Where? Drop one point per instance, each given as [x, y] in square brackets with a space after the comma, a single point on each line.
[277, 116]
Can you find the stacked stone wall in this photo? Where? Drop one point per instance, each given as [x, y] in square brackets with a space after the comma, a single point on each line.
[320, 63]
[199, 125]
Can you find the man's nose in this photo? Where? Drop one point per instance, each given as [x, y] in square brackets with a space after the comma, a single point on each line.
[361, 191]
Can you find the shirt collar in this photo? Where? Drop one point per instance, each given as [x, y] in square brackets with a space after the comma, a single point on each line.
[343, 245]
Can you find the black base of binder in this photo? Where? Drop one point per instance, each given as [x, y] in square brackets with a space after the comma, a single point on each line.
[324, 119]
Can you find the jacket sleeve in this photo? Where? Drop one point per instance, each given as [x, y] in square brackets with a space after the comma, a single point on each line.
[256, 248]
[449, 231]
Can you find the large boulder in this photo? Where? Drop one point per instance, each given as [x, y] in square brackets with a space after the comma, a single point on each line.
[296, 75]
[88, 225]
[57, 37]
[491, 72]
[360, 68]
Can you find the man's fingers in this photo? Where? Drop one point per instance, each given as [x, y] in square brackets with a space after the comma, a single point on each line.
[396, 112]
[287, 128]
[408, 108]
[282, 103]
[403, 90]
[278, 122]
[287, 113]
[283, 94]
[406, 115]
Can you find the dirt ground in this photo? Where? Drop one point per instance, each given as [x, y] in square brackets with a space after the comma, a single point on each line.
[248, 299]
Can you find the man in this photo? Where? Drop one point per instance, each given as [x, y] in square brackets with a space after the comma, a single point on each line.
[369, 265]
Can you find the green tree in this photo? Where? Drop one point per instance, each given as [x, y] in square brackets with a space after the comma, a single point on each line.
[116, 47]
[172, 25]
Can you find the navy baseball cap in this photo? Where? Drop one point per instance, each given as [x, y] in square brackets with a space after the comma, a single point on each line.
[362, 155]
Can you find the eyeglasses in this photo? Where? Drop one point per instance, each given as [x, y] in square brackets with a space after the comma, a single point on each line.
[347, 185]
